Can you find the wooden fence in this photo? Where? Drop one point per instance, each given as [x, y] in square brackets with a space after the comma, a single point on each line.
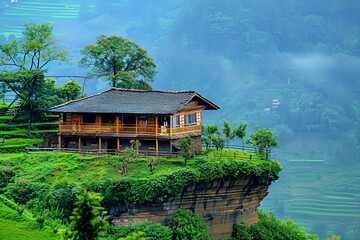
[146, 153]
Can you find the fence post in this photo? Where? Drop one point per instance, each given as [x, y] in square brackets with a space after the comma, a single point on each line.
[250, 156]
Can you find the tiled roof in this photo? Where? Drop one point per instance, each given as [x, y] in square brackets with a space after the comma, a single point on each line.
[126, 101]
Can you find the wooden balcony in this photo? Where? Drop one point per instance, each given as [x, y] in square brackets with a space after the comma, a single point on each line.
[128, 129]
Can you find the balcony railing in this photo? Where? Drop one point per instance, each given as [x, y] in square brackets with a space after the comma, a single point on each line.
[127, 129]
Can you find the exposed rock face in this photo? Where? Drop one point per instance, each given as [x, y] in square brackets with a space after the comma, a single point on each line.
[222, 202]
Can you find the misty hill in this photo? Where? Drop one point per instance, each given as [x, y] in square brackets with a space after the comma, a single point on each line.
[292, 66]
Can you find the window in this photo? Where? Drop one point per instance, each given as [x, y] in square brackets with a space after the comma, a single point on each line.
[108, 118]
[89, 118]
[176, 121]
[143, 120]
[190, 119]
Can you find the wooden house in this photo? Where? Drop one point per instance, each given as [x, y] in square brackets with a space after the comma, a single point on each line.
[109, 120]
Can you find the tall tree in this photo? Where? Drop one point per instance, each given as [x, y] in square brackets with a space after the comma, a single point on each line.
[120, 61]
[240, 132]
[24, 62]
[227, 131]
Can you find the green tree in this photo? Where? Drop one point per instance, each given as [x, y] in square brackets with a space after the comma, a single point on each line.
[263, 140]
[122, 62]
[240, 131]
[85, 221]
[24, 63]
[48, 95]
[218, 141]
[187, 225]
[71, 90]
[227, 131]
[185, 146]
[208, 132]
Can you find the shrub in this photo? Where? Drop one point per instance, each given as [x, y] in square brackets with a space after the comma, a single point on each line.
[270, 228]
[187, 225]
[6, 176]
[23, 191]
[62, 197]
[153, 231]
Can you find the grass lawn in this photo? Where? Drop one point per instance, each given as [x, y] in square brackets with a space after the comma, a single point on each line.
[16, 226]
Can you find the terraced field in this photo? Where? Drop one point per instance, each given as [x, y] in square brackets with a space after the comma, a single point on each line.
[12, 14]
[14, 130]
[319, 196]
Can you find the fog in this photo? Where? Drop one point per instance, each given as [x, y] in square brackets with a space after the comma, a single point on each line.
[241, 55]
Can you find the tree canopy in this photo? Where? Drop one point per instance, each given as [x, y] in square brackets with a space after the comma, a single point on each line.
[120, 61]
[263, 139]
[24, 63]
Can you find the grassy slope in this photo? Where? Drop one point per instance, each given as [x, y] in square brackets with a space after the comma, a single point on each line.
[53, 167]
[16, 226]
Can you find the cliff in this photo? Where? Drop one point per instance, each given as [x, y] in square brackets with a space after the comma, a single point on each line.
[222, 202]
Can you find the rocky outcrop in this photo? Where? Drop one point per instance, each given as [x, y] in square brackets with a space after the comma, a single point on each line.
[222, 202]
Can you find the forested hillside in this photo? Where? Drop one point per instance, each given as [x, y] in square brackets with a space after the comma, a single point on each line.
[290, 65]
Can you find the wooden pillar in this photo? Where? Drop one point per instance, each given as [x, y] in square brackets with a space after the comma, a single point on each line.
[79, 147]
[118, 144]
[156, 146]
[137, 147]
[100, 144]
[170, 124]
[59, 142]
[156, 125]
[99, 122]
[117, 123]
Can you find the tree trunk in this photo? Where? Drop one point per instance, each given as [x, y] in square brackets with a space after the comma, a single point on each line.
[29, 122]
[29, 117]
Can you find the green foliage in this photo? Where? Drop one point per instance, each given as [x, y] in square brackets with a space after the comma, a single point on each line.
[24, 64]
[71, 90]
[208, 132]
[135, 236]
[152, 231]
[22, 191]
[185, 148]
[6, 176]
[227, 131]
[263, 139]
[240, 131]
[330, 236]
[270, 228]
[187, 225]
[152, 163]
[124, 63]
[14, 225]
[62, 197]
[86, 222]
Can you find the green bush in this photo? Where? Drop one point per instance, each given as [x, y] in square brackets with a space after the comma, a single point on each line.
[62, 197]
[271, 228]
[187, 225]
[6, 176]
[152, 231]
[23, 191]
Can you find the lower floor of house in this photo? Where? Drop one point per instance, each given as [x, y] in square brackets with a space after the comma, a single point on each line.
[118, 144]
